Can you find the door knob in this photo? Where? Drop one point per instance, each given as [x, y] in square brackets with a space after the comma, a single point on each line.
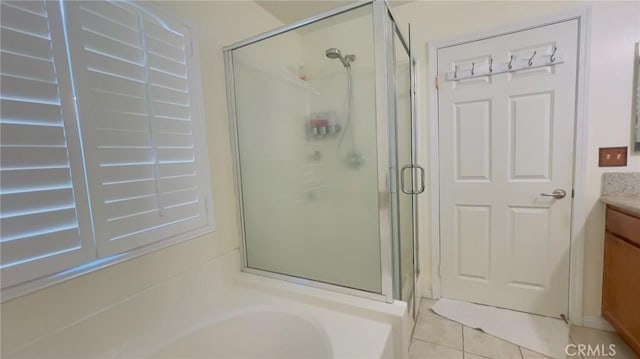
[558, 194]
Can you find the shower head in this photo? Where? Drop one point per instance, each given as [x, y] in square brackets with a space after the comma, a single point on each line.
[334, 53]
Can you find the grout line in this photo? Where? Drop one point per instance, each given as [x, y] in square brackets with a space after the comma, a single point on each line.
[436, 344]
[572, 341]
[520, 350]
[462, 329]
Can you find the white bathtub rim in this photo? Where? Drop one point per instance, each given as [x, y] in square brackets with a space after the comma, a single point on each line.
[221, 317]
[294, 291]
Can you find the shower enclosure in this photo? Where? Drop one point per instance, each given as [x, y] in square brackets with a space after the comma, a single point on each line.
[321, 120]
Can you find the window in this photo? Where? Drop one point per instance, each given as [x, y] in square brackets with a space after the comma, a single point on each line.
[102, 135]
[43, 201]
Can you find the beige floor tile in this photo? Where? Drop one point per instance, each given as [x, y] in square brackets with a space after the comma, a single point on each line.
[594, 337]
[439, 331]
[480, 343]
[530, 354]
[472, 356]
[425, 306]
[424, 350]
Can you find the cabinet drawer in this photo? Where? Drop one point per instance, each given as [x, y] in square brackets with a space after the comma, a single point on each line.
[623, 225]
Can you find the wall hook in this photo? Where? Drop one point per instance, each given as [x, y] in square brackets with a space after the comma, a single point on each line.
[510, 66]
[531, 58]
[491, 65]
[455, 73]
[473, 68]
[553, 54]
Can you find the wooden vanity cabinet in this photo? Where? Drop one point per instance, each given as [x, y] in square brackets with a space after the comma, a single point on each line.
[621, 276]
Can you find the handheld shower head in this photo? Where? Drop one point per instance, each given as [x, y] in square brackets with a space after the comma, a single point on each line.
[334, 53]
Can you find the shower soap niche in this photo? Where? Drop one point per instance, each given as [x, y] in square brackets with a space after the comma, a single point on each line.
[321, 125]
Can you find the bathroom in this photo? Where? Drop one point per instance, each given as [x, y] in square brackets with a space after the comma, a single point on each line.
[311, 219]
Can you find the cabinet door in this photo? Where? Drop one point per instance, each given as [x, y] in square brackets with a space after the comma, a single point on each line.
[621, 288]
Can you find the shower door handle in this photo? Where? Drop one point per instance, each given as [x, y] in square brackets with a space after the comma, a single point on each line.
[402, 174]
[421, 170]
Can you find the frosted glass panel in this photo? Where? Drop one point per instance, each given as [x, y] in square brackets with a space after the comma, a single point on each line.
[307, 159]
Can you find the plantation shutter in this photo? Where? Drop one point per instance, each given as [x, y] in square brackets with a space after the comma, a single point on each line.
[44, 220]
[140, 116]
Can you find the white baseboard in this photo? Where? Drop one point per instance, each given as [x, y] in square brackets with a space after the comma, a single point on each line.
[597, 322]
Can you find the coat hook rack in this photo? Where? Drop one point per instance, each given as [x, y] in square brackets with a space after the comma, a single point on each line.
[530, 62]
[511, 58]
[476, 69]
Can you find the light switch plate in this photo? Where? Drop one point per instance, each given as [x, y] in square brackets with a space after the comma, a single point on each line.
[613, 157]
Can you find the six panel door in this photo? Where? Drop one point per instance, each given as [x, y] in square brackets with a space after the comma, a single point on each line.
[505, 139]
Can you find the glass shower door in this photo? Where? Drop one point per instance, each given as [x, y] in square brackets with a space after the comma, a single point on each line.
[409, 176]
[404, 138]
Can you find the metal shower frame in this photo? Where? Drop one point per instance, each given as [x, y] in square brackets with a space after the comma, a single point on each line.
[384, 26]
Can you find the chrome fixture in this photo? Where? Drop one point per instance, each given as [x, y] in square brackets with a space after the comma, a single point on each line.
[334, 53]
[354, 158]
[557, 194]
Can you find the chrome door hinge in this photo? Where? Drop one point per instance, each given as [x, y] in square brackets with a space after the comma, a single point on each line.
[573, 193]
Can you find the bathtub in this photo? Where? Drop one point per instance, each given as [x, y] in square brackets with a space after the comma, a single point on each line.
[263, 334]
[257, 334]
[271, 319]
[215, 311]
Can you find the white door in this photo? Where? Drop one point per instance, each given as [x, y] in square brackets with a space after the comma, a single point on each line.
[504, 140]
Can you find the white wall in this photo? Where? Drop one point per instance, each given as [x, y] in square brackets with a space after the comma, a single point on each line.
[615, 27]
[38, 314]
[610, 105]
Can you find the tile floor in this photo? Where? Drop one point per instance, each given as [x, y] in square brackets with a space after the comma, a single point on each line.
[439, 338]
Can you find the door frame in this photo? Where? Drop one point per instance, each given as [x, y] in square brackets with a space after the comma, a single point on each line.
[579, 213]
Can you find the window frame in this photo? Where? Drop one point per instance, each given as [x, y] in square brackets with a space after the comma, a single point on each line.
[72, 121]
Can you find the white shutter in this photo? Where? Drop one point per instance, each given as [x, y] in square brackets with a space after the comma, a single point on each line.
[44, 221]
[140, 116]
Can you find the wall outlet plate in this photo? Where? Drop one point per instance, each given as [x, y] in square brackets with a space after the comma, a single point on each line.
[612, 157]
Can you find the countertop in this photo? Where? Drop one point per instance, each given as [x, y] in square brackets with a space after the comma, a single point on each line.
[626, 201]
[622, 190]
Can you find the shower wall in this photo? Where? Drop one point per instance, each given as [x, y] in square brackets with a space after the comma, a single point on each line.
[307, 214]
[346, 199]
[324, 74]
